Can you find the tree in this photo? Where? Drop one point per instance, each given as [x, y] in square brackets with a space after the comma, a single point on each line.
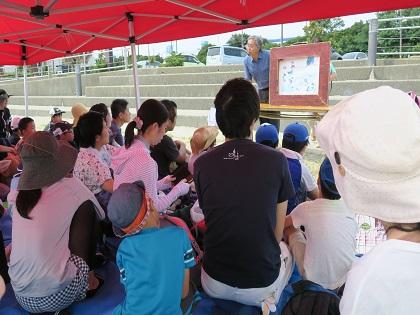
[354, 38]
[238, 40]
[202, 54]
[174, 60]
[389, 40]
[321, 30]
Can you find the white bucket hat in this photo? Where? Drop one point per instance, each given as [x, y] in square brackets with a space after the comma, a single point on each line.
[373, 142]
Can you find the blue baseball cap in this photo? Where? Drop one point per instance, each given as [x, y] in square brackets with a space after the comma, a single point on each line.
[267, 132]
[296, 132]
[326, 176]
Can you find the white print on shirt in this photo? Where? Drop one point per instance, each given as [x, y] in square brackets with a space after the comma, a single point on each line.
[234, 156]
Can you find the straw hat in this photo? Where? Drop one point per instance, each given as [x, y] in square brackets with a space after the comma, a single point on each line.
[203, 138]
[373, 142]
[78, 110]
[45, 161]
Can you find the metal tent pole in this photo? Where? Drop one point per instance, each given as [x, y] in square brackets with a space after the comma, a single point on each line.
[132, 40]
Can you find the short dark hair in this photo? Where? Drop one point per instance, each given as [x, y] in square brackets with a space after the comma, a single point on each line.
[151, 111]
[270, 143]
[327, 194]
[118, 106]
[24, 122]
[89, 126]
[171, 107]
[294, 146]
[237, 107]
[100, 108]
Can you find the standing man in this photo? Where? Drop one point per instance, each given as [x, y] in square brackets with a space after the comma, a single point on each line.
[257, 67]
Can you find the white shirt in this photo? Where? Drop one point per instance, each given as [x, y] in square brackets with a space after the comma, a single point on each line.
[330, 230]
[39, 262]
[308, 179]
[386, 281]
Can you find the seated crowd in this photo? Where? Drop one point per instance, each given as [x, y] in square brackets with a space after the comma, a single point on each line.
[254, 208]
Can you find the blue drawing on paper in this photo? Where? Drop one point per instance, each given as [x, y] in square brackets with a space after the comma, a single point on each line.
[299, 76]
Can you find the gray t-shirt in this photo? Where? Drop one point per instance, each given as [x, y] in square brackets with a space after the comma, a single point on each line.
[39, 262]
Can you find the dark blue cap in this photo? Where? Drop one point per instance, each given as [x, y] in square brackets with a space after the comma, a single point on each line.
[267, 132]
[296, 132]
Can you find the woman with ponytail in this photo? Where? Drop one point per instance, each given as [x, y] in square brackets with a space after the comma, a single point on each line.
[134, 163]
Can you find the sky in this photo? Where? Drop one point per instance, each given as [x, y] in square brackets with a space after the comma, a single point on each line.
[193, 45]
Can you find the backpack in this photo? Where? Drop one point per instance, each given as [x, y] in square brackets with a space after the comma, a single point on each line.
[180, 223]
[295, 169]
[309, 298]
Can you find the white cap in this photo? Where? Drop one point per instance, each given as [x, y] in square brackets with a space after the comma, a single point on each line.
[375, 137]
[56, 111]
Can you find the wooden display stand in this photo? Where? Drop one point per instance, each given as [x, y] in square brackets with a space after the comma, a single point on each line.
[293, 112]
[299, 79]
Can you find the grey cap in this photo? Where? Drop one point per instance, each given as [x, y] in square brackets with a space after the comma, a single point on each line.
[124, 206]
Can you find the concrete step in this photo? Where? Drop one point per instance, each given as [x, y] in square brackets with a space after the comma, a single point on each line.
[347, 88]
[171, 78]
[398, 72]
[169, 90]
[197, 103]
[167, 70]
[379, 62]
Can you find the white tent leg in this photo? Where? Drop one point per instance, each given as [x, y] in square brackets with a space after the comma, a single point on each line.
[25, 87]
[134, 59]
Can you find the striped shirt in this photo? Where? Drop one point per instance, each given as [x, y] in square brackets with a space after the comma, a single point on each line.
[134, 164]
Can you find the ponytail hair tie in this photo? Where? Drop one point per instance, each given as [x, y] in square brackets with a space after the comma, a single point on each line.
[139, 122]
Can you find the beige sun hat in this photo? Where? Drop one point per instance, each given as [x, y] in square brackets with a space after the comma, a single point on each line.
[203, 138]
[373, 142]
[45, 161]
[78, 110]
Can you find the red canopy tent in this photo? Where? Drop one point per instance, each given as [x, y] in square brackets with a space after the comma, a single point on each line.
[32, 31]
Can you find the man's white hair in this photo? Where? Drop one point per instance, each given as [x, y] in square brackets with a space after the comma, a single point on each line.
[257, 40]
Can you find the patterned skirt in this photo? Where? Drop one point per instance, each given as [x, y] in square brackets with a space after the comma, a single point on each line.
[75, 291]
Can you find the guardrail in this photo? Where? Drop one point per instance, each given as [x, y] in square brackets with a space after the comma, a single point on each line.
[393, 37]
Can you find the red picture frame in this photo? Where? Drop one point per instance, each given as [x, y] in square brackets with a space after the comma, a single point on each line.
[299, 75]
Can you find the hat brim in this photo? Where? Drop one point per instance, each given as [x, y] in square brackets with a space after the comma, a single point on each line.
[386, 201]
[39, 173]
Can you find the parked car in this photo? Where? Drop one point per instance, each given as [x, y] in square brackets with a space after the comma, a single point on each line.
[334, 55]
[190, 60]
[225, 55]
[355, 55]
[147, 64]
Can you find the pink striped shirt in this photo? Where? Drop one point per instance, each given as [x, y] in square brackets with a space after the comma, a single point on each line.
[135, 163]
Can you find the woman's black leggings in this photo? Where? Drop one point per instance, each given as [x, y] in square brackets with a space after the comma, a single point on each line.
[84, 231]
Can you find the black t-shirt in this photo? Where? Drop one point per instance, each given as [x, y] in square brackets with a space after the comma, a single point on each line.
[4, 122]
[164, 154]
[239, 185]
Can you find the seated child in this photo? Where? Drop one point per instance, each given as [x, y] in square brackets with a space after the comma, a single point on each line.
[154, 263]
[372, 140]
[26, 128]
[169, 151]
[294, 144]
[325, 252]
[14, 136]
[203, 140]
[63, 131]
